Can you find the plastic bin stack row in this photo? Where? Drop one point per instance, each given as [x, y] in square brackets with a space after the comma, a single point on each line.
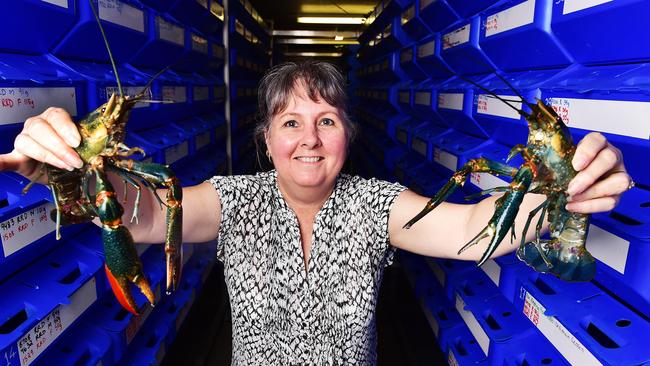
[249, 59]
[49, 287]
[422, 118]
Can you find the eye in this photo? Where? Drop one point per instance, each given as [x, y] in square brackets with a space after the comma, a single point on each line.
[291, 123]
[104, 110]
[327, 122]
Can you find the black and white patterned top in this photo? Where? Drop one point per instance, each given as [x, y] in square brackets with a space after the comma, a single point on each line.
[282, 314]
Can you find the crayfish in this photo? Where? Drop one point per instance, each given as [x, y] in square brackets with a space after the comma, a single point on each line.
[546, 170]
[102, 150]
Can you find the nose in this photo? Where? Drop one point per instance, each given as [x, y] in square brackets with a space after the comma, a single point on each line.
[310, 138]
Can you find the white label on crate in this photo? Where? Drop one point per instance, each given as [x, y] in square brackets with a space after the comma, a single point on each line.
[199, 44]
[183, 313]
[160, 353]
[200, 93]
[202, 139]
[609, 248]
[425, 3]
[493, 270]
[451, 359]
[473, 325]
[204, 3]
[170, 32]
[487, 181]
[61, 3]
[456, 37]
[17, 104]
[176, 153]
[433, 322]
[570, 347]
[571, 6]
[178, 94]
[404, 97]
[451, 101]
[437, 271]
[445, 159]
[217, 51]
[406, 55]
[427, 49]
[125, 15]
[41, 336]
[408, 14]
[618, 117]
[419, 146]
[488, 105]
[128, 90]
[25, 228]
[423, 98]
[515, 17]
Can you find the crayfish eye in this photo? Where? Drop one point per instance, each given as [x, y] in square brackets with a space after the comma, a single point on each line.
[104, 110]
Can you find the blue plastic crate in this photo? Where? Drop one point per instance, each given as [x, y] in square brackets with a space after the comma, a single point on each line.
[38, 34]
[382, 15]
[100, 83]
[196, 14]
[410, 65]
[455, 105]
[441, 315]
[29, 85]
[469, 8]
[125, 24]
[592, 330]
[447, 270]
[519, 352]
[148, 348]
[523, 26]
[165, 44]
[578, 26]
[26, 227]
[404, 131]
[407, 163]
[405, 100]
[461, 348]
[484, 181]
[21, 313]
[173, 87]
[196, 57]
[424, 105]
[428, 56]
[437, 14]
[504, 124]
[590, 98]
[454, 149]
[620, 240]
[172, 144]
[461, 49]
[83, 344]
[200, 133]
[414, 26]
[424, 138]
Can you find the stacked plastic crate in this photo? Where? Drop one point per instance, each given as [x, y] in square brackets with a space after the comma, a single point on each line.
[57, 307]
[596, 78]
[249, 59]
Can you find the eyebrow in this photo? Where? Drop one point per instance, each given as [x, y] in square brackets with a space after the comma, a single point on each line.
[318, 115]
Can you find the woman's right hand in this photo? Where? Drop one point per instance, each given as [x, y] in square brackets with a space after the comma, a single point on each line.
[47, 138]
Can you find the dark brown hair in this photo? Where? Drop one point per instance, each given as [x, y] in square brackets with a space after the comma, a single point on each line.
[322, 80]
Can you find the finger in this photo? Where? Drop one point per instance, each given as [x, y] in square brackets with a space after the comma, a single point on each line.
[12, 161]
[605, 160]
[601, 204]
[61, 121]
[587, 150]
[40, 130]
[28, 147]
[613, 185]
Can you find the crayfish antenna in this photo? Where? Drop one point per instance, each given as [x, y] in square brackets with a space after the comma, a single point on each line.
[108, 48]
[493, 94]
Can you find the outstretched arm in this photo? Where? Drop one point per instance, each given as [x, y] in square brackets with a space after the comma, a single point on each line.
[597, 187]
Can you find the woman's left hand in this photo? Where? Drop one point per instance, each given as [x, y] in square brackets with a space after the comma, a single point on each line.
[601, 177]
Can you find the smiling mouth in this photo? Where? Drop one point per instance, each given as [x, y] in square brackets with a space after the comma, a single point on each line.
[309, 159]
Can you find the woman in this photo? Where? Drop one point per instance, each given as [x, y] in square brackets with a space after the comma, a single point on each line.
[304, 247]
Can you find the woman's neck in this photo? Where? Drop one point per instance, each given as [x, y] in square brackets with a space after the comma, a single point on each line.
[310, 199]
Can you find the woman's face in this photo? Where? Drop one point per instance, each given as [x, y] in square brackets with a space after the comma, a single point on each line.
[307, 142]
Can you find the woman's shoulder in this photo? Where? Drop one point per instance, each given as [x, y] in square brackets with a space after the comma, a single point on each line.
[244, 184]
[368, 187]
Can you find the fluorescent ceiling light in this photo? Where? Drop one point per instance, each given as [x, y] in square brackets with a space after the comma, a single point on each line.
[314, 54]
[312, 33]
[331, 20]
[333, 9]
[313, 41]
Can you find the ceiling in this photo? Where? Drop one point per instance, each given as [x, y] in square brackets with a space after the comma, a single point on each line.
[283, 15]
